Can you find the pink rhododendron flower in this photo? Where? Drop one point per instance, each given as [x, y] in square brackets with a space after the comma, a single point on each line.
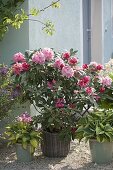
[89, 90]
[38, 58]
[19, 57]
[50, 85]
[48, 54]
[68, 71]
[66, 55]
[85, 66]
[25, 66]
[25, 118]
[102, 90]
[84, 81]
[99, 67]
[94, 64]
[59, 63]
[73, 60]
[53, 81]
[17, 68]
[59, 103]
[106, 81]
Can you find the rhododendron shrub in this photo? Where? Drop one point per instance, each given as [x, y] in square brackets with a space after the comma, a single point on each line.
[48, 81]
[59, 87]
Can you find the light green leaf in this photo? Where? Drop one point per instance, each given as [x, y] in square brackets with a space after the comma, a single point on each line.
[56, 4]
[99, 131]
[34, 143]
[34, 12]
[24, 144]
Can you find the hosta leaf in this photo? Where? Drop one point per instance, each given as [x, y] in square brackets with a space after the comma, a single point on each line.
[32, 149]
[33, 134]
[9, 143]
[24, 139]
[34, 143]
[12, 138]
[17, 136]
[24, 144]
[99, 131]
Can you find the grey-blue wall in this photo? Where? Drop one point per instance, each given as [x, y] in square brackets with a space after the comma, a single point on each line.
[107, 30]
[67, 22]
[15, 41]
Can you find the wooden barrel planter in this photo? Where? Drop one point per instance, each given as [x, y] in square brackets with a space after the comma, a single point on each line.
[53, 146]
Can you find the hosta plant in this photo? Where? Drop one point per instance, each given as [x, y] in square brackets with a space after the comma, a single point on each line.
[97, 125]
[22, 131]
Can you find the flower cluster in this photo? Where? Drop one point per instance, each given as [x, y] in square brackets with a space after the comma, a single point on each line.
[25, 118]
[20, 64]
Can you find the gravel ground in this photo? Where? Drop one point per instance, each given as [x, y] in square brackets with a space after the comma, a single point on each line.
[78, 159]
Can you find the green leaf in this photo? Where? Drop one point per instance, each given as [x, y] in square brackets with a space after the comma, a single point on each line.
[34, 11]
[34, 133]
[32, 149]
[99, 131]
[25, 139]
[34, 143]
[24, 144]
[9, 143]
[55, 4]
[12, 137]
[17, 136]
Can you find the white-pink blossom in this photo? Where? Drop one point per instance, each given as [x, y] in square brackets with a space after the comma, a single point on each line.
[89, 90]
[68, 71]
[19, 57]
[38, 58]
[59, 63]
[48, 53]
[17, 68]
[106, 81]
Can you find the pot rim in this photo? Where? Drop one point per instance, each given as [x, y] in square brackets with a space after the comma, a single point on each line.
[21, 144]
[95, 140]
[55, 133]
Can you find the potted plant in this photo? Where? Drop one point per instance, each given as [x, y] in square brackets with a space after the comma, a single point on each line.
[60, 90]
[97, 128]
[48, 81]
[24, 136]
[10, 94]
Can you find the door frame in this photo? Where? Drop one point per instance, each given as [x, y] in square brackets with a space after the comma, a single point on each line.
[86, 19]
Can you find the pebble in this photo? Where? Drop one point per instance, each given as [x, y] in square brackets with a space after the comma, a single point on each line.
[79, 158]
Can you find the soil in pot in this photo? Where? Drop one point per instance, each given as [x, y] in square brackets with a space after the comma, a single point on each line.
[53, 146]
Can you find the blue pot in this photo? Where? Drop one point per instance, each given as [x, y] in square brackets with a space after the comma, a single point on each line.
[101, 152]
[23, 155]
